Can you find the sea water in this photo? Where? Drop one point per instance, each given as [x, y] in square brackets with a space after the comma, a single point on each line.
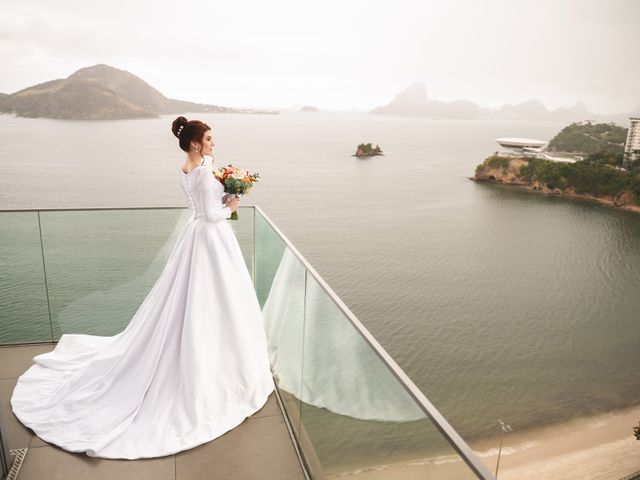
[497, 303]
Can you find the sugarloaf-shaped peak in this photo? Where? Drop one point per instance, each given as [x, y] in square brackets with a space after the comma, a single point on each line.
[416, 92]
[411, 101]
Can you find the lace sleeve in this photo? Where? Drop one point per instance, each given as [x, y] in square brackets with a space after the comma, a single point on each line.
[214, 211]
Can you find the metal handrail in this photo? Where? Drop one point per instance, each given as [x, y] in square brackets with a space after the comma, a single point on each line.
[449, 433]
[100, 208]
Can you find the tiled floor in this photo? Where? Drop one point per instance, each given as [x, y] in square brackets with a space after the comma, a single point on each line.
[258, 448]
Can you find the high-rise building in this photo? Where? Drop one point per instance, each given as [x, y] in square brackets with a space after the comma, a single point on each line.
[632, 146]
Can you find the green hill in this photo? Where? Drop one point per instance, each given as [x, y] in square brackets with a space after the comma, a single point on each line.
[598, 176]
[588, 138]
[97, 92]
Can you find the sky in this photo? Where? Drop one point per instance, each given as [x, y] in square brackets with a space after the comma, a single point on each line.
[337, 55]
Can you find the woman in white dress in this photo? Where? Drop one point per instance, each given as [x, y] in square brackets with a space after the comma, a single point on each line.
[191, 364]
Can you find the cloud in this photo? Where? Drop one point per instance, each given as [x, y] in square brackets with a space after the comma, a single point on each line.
[343, 54]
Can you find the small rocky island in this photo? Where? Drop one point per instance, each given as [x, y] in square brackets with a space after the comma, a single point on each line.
[366, 150]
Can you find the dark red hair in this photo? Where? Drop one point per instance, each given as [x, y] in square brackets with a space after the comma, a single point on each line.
[187, 131]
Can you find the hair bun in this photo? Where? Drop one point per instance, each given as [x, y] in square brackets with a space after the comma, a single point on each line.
[177, 123]
[188, 131]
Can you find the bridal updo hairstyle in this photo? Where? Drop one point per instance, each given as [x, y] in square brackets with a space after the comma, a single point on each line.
[187, 131]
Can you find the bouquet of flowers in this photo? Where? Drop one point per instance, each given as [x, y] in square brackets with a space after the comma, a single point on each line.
[236, 182]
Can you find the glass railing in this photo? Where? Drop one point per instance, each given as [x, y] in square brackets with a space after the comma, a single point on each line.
[350, 407]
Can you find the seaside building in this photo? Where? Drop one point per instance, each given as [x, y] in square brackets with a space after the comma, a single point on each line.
[529, 147]
[633, 141]
[521, 145]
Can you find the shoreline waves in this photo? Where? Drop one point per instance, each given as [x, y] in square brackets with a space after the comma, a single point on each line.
[600, 446]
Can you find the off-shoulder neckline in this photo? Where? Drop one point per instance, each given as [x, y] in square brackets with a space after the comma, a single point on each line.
[187, 173]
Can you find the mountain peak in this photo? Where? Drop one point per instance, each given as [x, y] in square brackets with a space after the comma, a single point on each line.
[410, 101]
[97, 92]
[100, 68]
[417, 92]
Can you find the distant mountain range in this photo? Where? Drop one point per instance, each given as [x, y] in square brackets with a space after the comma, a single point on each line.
[105, 92]
[100, 92]
[414, 102]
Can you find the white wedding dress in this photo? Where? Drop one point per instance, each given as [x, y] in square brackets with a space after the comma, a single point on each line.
[191, 364]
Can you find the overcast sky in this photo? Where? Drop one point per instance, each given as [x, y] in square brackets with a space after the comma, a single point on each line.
[337, 54]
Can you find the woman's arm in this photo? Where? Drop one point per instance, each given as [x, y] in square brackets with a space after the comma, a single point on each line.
[214, 211]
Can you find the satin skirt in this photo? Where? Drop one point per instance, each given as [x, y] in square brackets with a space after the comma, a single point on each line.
[191, 364]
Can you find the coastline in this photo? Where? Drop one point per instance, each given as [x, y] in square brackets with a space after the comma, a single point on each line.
[604, 201]
[529, 188]
[600, 446]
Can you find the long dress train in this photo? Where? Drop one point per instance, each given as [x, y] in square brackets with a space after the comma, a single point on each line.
[191, 364]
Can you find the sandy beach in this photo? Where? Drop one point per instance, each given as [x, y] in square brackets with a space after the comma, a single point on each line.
[601, 447]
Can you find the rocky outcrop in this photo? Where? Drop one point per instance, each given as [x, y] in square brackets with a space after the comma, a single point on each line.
[366, 150]
[624, 199]
[501, 171]
[505, 170]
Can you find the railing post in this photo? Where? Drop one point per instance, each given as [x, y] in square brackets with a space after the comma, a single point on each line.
[44, 271]
[253, 256]
[5, 463]
[303, 340]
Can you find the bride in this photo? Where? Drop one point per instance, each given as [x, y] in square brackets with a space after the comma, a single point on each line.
[191, 364]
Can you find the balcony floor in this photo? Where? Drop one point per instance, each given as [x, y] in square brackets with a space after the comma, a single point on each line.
[260, 447]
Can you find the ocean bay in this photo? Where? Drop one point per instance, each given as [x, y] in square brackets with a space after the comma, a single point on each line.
[497, 303]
